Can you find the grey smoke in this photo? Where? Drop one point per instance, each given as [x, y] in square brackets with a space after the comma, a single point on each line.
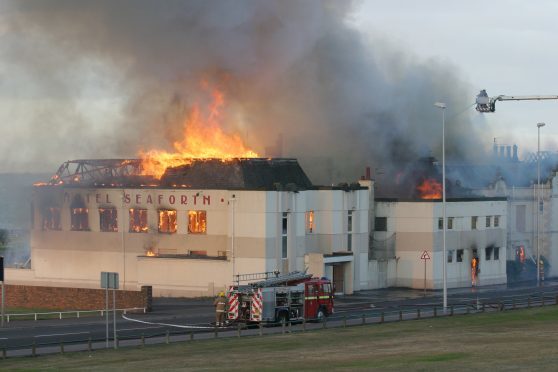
[296, 68]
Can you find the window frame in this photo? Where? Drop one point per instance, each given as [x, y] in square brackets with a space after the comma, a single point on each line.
[459, 256]
[132, 218]
[103, 227]
[202, 222]
[171, 226]
[474, 222]
[488, 221]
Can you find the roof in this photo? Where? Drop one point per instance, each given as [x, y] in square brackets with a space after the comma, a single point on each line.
[239, 173]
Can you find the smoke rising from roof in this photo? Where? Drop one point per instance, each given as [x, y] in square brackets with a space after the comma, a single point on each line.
[108, 78]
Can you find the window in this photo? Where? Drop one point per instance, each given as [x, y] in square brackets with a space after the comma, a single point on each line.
[474, 221]
[138, 220]
[108, 219]
[488, 253]
[197, 222]
[51, 219]
[310, 225]
[440, 223]
[496, 253]
[450, 223]
[167, 221]
[349, 231]
[496, 221]
[488, 221]
[380, 224]
[79, 214]
[520, 218]
[284, 234]
[459, 255]
[450, 255]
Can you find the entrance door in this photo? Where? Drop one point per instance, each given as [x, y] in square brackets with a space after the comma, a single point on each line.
[338, 279]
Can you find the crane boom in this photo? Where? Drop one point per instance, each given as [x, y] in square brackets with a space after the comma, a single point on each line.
[488, 104]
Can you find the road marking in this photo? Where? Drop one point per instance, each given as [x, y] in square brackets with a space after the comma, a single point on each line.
[169, 325]
[63, 334]
[138, 329]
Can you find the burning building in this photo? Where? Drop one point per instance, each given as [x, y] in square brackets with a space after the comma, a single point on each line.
[187, 232]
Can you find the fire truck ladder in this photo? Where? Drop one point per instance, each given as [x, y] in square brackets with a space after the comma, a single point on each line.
[282, 279]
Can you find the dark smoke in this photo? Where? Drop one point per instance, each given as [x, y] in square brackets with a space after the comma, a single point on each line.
[296, 68]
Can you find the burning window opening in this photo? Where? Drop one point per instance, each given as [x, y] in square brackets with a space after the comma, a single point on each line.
[167, 221]
[197, 222]
[310, 225]
[79, 214]
[138, 220]
[51, 219]
[108, 219]
[80, 219]
[150, 253]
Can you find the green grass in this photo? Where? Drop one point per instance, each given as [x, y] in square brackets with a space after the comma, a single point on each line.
[518, 340]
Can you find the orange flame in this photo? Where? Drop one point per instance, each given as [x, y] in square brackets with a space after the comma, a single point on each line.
[430, 189]
[150, 253]
[203, 138]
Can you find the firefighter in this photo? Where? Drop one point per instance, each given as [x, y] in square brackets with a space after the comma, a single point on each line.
[220, 304]
[474, 270]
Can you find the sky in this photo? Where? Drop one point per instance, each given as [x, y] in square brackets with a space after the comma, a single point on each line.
[77, 81]
[507, 47]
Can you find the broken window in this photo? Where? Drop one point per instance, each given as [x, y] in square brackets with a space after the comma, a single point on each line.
[79, 215]
[520, 218]
[284, 235]
[488, 253]
[450, 223]
[51, 219]
[380, 224]
[167, 221]
[474, 220]
[459, 255]
[310, 226]
[108, 219]
[197, 222]
[349, 231]
[138, 220]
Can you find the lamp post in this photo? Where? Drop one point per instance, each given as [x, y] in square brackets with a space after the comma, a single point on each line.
[539, 209]
[443, 106]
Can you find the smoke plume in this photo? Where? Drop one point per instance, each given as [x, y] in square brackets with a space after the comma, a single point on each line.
[109, 78]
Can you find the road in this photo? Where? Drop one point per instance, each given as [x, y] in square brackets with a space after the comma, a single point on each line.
[196, 316]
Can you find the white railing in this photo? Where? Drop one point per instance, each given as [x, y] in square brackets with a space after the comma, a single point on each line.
[66, 314]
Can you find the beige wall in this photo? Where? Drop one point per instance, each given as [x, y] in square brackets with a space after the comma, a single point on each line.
[77, 257]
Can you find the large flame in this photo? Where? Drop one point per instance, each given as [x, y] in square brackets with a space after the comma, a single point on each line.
[430, 189]
[203, 138]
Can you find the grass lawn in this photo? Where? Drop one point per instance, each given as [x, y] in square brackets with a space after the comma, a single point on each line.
[513, 340]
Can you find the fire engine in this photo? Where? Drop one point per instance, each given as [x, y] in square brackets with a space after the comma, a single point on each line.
[295, 296]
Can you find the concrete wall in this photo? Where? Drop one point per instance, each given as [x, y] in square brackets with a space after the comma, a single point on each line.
[414, 226]
[245, 226]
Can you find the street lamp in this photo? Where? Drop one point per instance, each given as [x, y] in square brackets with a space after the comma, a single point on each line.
[442, 106]
[539, 126]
